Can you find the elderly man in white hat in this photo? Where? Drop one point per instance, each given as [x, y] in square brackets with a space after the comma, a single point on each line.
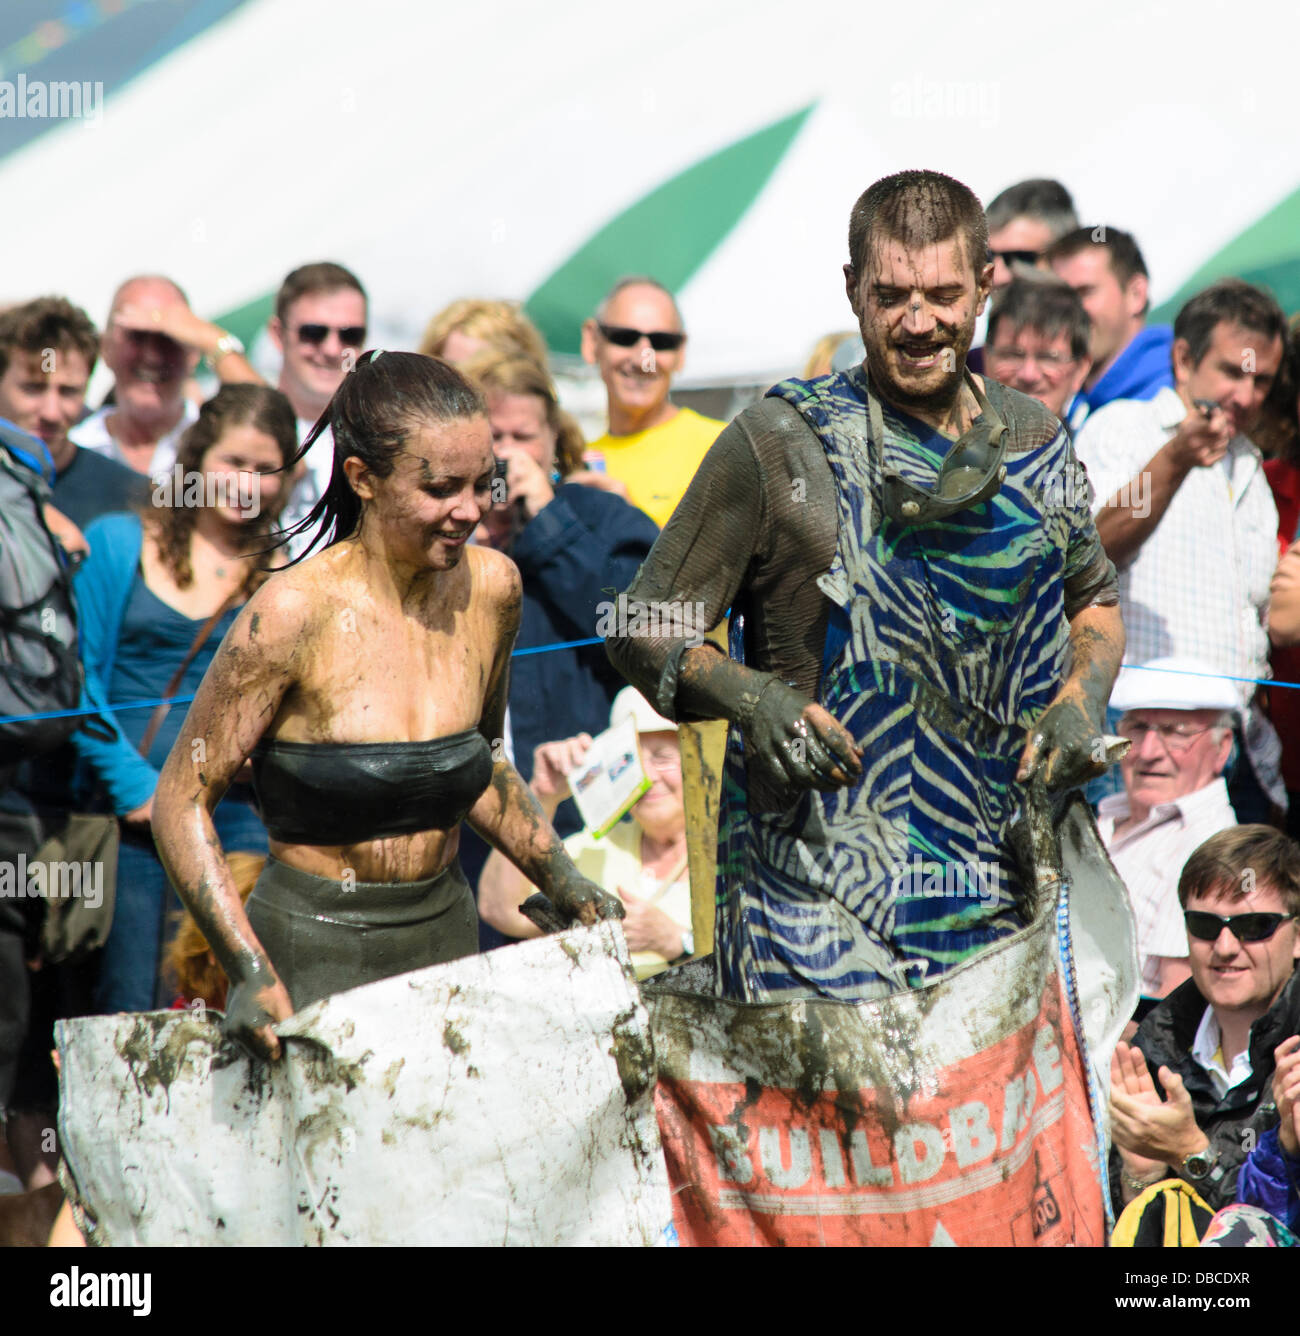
[1179, 715]
[642, 860]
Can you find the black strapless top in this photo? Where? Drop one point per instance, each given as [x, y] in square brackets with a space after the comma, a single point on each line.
[349, 792]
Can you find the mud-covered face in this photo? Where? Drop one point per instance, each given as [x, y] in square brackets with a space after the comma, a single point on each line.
[438, 491]
[917, 310]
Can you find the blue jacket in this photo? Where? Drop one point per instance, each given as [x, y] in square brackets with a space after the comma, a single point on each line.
[1141, 371]
[1270, 1179]
[582, 549]
[103, 586]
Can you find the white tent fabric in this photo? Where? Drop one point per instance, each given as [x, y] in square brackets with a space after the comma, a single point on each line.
[444, 151]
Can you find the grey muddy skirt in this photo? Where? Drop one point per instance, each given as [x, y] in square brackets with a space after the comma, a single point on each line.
[323, 939]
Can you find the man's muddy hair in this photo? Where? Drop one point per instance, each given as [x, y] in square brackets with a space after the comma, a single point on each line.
[1219, 867]
[918, 208]
[373, 413]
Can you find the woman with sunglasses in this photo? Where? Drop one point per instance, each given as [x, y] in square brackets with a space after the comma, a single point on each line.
[367, 685]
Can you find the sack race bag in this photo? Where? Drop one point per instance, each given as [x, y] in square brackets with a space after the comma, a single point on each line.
[499, 1099]
[929, 1118]
[40, 671]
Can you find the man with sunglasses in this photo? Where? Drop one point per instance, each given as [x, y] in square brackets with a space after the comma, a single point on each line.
[319, 326]
[637, 342]
[908, 556]
[1178, 716]
[1193, 1094]
[1023, 220]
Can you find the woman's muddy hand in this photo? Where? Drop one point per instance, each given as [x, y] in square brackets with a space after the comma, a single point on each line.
[253, 1006]
[584, 901]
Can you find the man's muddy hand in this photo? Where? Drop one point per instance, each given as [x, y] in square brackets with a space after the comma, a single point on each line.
[1065, 747]
[799, 743]
[253, 1006]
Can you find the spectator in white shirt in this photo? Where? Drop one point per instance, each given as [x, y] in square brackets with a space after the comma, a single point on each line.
[152, 343]
[1178, 716]
[1185, 512]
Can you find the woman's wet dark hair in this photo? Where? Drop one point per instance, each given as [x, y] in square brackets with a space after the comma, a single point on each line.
[372, 414]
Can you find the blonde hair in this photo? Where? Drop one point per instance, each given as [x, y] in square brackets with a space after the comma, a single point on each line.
[189, 963]
[501, 325]
[819, 360]
[495, 373]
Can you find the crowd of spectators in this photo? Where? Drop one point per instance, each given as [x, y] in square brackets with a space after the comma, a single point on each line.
[1189, 435]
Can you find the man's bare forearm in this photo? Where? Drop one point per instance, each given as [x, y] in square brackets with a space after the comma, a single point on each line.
[1130, 517]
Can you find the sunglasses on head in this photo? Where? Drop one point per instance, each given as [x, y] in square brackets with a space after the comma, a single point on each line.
[661, 340]
[1244, 927]
[351, 336]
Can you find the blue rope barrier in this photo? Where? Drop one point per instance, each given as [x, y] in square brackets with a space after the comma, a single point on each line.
[185, 700]
[543, 649]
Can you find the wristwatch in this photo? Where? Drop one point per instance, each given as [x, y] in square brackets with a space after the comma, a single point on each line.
[688, 947]
[1198, 1164]
[227, 343]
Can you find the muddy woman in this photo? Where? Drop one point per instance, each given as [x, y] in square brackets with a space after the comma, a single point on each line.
[367, 686]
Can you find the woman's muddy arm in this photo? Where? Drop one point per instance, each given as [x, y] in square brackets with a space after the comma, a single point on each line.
[239, 697]
[511, 820]
[506, 814]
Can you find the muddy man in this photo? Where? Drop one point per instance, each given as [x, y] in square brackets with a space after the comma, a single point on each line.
[923, 621]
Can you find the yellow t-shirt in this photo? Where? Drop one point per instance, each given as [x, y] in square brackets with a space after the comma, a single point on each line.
[614, 860]
[657, 465]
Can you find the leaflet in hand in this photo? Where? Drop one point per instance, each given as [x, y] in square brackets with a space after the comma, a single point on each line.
[610, 778]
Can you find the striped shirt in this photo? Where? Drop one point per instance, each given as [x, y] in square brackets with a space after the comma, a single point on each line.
[1149, 858]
